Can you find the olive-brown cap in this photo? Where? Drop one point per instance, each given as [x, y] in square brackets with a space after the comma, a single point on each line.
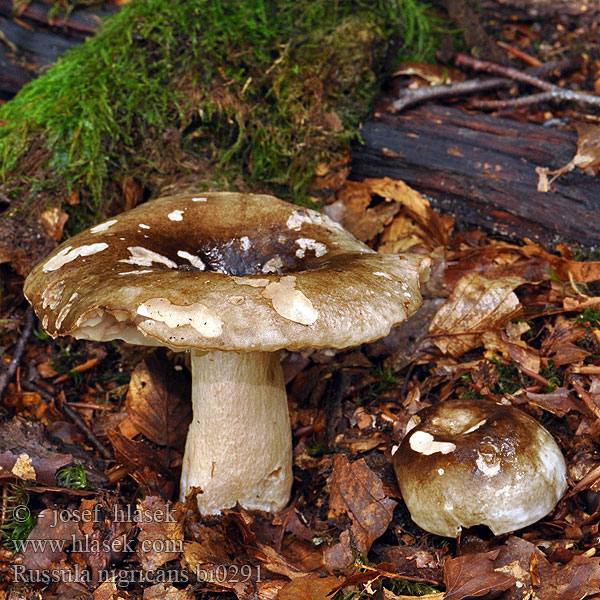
[223, 271]
[477, 462]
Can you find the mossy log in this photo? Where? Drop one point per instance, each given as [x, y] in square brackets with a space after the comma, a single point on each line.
[250, 95]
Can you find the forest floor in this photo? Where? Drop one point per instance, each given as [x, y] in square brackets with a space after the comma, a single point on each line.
[102, 425]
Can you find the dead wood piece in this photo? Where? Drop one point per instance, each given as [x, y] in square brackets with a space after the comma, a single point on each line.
[481, 169]
[537, 9]
[18, 351]
[33, 39]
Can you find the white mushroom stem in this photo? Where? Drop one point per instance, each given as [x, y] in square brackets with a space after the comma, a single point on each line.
[239, 446]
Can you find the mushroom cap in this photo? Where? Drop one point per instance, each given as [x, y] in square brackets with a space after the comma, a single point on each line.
[223, 271]
[477, 462]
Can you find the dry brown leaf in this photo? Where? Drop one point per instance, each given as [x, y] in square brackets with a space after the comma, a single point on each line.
[352, 209]
[432, 74]
[558, 402]
[145, 465]
[274, 562]
[53, 221]
[308, 587]
[160, 538]
[357, 492]
[157, 402]
[165, 591]
[105, 591]
[473, 575]
[476, 305]
[397, 191]
[54, 531]
[523, 355]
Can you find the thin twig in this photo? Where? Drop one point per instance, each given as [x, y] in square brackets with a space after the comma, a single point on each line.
[18, 351]
[462, 60]
[104, 451]
[509, 75]
[517, 53]
[461, 88]
[557, 94]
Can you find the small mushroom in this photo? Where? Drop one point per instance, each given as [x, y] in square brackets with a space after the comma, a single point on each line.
[233, 279]
[478, 462]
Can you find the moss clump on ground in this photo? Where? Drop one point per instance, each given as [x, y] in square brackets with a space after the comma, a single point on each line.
[252, 94]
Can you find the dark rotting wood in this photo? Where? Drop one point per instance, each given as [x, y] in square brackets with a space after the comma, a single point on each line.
[34, 39]
[482, 170]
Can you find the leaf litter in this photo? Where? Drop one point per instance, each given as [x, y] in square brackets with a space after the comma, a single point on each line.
[506, 321]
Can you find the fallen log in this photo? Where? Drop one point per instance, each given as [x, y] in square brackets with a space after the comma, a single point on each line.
[33, 38]
[482, 170]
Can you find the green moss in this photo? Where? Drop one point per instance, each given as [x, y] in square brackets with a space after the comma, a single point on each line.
[251, 94]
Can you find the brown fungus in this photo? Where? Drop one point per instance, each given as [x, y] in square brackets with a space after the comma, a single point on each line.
[232, 278]
[476, 462]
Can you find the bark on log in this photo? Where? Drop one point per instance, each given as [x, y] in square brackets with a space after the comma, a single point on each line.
[481, 169]
[34, 39]
[539, 9]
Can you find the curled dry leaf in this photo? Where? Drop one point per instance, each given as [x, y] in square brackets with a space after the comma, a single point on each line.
[357, 492]
[476, 305]
[353, 211]
[158, 402]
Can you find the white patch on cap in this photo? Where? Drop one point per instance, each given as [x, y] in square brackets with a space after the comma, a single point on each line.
[250, 282]
[423, 443]
[52, 294]
[195, 261]
[441, 471]
[488, 463]
[140, 272]
[144, 226]
[289, 302]
[45, 322]
[176, 215]
[199, 199]
[296, 219]
[63, 313]
[381, 274]
[66, 255]
[197, 315]
[300, 216]
[245, 243]
[103, 226]
[310, 244]
[272, 265]
[475, 427]
[142, 257]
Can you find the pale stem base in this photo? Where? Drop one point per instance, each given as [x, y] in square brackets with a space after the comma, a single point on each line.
[239, 446]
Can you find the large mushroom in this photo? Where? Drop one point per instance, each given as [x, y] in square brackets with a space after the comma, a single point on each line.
[233, 278]
[476, 462]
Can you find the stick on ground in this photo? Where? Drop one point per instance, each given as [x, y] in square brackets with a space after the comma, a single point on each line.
[18, 352]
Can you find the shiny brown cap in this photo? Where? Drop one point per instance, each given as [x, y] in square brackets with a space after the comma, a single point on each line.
[476, 462]
[223, 271]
